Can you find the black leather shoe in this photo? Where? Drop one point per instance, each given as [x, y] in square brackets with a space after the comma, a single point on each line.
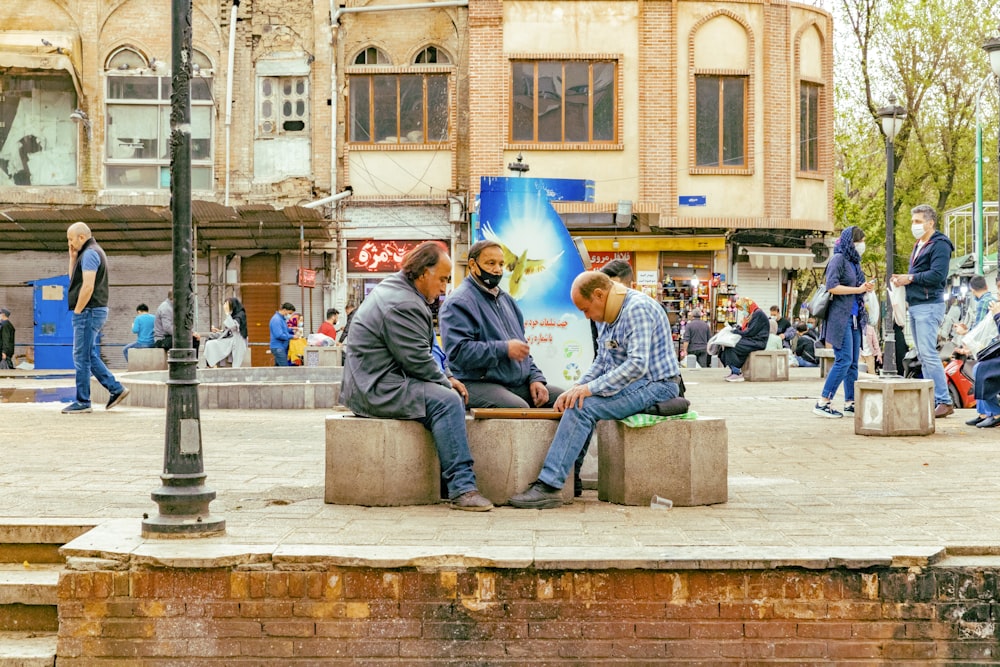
[538, 497]
[975, 420]
[989, 422]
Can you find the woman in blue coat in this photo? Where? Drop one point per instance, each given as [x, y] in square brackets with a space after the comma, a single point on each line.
[845, 319]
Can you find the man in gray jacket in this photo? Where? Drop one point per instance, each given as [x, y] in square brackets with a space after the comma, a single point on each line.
[390, 373]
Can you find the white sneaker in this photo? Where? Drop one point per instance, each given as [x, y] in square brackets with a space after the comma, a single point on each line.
[735, 377]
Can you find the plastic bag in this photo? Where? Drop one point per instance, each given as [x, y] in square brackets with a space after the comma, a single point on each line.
[873, 308]
[980, 335]
[725, 338]
[897, 299]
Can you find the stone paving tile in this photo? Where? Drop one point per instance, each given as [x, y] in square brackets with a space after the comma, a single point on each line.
[796, 481]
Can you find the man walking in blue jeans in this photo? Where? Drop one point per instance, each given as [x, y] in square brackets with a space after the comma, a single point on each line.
[925, 285]
[280, 335]
[88, 299]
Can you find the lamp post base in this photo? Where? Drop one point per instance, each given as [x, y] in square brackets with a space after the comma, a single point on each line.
[893, 407]
[183, 502]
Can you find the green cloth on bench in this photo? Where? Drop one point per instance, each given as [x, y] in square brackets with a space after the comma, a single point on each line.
[643, 420]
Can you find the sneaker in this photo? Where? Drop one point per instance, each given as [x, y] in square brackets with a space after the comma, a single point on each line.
[849, 409]
[117, 398]
[827, 411]
[735, 377]
[472, 501]
[539, 496]
[76, 409]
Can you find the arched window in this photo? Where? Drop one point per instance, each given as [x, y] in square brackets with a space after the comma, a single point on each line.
[372, 56]
[126, 58]
[431, 55]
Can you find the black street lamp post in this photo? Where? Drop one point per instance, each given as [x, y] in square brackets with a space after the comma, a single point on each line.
[891, 118]
[992, 47]
[183, 499]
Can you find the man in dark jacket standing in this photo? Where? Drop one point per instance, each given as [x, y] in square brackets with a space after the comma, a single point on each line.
[925, 284]
[482, 331]
[6, 339]
[88, 299]
[390, 372]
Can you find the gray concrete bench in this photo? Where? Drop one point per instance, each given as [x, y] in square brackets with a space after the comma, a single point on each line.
[147, 359]
[824, 355]
[766, 366]
[389, 462]
[685, 460]
[326, 355]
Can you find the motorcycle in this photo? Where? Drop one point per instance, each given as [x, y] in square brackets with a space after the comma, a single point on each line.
[958, 371]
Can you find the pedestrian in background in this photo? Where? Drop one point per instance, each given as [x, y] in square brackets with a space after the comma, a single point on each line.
[695, 342]
[846, 318]
[280, 335]
[925, 283]
[6, 340]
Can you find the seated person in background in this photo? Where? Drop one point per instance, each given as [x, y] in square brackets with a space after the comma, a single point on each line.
[482, 331]
[229, 342]
[753, 331]
[635, 369]
[773, 339]
[142, 327]
[163, 326]
[805, 346]
[390, 371]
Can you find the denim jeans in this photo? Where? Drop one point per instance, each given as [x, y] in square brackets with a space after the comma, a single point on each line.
[845, 366]
[925, 321]
[280, 355]
[445, 419]
[86, 357]
[134, 345]
[493, 395]
[577, 424]
[804, 363]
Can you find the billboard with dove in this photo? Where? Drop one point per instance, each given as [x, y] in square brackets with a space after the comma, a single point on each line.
[541, 261]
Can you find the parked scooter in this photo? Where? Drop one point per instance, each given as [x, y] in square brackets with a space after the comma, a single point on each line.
[957, 369]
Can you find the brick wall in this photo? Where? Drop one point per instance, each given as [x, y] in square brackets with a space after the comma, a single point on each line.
[658, 101]
[257, 615]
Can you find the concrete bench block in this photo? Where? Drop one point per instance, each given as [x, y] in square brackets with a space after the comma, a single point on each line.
[326, 355]
[824, 355]
[894, 407]
[766, 366]
[685, 460]
[508, 455]
[380, 462]
[147, 359]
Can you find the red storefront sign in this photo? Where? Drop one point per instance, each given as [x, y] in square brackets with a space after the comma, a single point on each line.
[379, 256]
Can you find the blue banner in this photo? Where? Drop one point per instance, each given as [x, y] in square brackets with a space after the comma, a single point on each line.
[541, 262]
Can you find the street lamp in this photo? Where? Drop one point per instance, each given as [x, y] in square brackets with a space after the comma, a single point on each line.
[992, 47]
[183, 499]
[891, 118]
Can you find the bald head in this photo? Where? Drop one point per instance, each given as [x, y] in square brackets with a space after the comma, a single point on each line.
[77, 235]
[590, 294]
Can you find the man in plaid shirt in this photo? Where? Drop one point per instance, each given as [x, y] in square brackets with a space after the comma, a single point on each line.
[635, 368]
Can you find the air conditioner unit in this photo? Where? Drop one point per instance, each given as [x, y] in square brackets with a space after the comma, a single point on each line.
[822, 250]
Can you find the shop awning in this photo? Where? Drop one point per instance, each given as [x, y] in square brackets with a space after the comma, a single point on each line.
[780, 258]
[42, 50]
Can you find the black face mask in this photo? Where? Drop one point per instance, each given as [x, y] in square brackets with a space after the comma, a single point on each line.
[491, 280]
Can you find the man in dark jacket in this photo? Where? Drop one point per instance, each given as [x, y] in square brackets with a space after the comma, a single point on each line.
[482, 331]
[925, 285]
[390, 372]
[6, 339]
[88, 299]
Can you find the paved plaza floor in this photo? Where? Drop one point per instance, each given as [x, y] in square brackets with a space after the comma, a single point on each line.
[796, 481]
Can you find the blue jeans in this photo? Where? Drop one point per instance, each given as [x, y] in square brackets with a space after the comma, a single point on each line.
[135, 345]
[577, 424]
[925, 321]
[804, 363]
[280, 355]
[845, 366]
[86, 357]
[445, 418]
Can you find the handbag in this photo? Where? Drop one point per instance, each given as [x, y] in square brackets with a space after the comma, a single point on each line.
[819, 302]
[990, 351]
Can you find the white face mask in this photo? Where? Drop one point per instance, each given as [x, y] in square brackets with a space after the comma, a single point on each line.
[917, 231]
[860, 247]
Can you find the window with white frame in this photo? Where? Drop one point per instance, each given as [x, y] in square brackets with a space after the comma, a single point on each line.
[283, 106]
[138, 123]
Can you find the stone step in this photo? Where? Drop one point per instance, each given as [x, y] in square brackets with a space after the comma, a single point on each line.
[29, 597]
[27, 649]
[37, 540]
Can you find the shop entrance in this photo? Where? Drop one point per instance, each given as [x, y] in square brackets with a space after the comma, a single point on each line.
[261, 297]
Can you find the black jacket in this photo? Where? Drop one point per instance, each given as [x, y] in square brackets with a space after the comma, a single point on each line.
[7, 338]
[99, 299]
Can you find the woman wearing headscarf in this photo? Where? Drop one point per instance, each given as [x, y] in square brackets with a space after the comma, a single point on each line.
[754, 330]
[845, 319]
[231, 339]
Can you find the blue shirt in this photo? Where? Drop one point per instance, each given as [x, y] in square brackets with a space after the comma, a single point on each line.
[279, 331]
[90, 260]
[142, 326]
[636, 346]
